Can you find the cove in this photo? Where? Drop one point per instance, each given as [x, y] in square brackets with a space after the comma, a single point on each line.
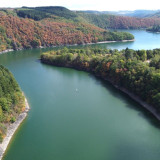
[75, 116]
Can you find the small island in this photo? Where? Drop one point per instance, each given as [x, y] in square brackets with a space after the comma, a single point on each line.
[135, 72]
[13, 107]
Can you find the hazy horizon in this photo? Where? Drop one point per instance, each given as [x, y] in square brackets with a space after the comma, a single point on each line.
[81, 9]
[98, 5]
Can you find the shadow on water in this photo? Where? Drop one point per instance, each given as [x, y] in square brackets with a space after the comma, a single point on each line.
[134, 152]
[130, 103]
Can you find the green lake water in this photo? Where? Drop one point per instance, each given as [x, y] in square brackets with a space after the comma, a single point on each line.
[75, 116]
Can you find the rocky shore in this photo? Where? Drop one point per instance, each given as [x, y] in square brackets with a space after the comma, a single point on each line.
[12, 128]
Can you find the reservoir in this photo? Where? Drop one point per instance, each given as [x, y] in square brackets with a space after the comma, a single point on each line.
[76, 116]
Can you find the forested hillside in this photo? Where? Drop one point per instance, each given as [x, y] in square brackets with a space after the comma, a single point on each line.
[138, 71]
[31, 27]
[119, 22]
[49, 26]
[11, 100]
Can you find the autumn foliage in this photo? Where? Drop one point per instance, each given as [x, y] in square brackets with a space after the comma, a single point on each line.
[19, 33]
[27, 33]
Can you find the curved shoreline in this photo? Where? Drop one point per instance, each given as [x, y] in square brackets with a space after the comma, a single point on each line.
[12, 129]
[144, 104]
[134, 97]
[101, 42]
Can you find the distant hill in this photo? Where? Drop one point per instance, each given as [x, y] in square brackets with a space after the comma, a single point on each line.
[135, 13]
[119, 22]
[155, 15]
[46, 12]
[49, 26]
[94, 12]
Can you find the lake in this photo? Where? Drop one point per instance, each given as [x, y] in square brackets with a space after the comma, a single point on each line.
[76, 116]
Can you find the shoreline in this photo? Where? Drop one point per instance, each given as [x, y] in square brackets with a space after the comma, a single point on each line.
[12, 129]
[134, 97]
[148, 107]
[153, 32]
[101, 42]
[7, 50]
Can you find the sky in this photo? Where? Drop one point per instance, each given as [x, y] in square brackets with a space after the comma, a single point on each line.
[101, 5]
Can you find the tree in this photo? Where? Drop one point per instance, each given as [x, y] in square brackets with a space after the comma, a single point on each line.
[143, 55]
[35, 43]
[4, 104]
